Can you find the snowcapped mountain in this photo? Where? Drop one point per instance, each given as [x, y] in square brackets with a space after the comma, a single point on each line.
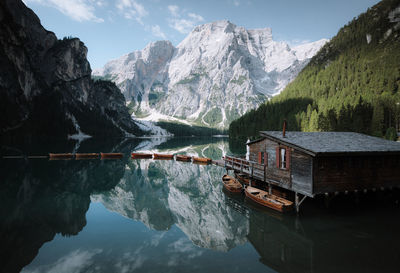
[217, 73]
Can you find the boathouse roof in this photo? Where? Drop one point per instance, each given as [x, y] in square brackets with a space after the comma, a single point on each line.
[333, 142]
[255, 141]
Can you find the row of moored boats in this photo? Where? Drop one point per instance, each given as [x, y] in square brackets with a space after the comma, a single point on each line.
[85, 155]
[184, 158]
[259, 196]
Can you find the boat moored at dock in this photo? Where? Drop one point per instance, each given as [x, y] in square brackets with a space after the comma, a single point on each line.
[141, 155]
[268, 200]
[60, 156]
[184, 158]
[163, 156]
[243, 178]
[86, 155]
[111, 155]
[231, 184]
[202, 160]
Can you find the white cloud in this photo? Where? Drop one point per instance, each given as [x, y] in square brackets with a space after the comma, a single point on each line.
[174, 10]
[182, 249]
[236, 3]
[100, 3]
[129, 261]
[297, 42]
[132, 10]
[196, 17]
[78, 10]
[156, 30]
[182, 25]
[181, 21]
[75, 261]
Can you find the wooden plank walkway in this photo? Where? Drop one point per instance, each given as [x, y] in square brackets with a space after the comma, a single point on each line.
[261, 172]
[251, 168]
[220, 163]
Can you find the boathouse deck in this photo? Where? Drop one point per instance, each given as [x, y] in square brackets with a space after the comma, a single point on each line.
[258, 171]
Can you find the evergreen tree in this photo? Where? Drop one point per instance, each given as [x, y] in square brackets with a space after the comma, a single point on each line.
[349, 85]
[313, 125]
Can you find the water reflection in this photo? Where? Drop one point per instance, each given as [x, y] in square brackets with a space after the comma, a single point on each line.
[175, 218]
[162, 193]
[322, 241]
[41, 198]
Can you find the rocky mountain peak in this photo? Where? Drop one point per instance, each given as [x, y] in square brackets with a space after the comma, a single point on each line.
[217, 73]
[45, 83]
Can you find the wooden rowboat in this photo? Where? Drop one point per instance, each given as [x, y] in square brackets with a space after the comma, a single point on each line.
[183, 158]
[279, 193]
[163, 156]
[86, 155]
[60, 156]
[231, 184]
[141, 155]
[242, 178]
[111, 155]
[202, 160]
[268, 200]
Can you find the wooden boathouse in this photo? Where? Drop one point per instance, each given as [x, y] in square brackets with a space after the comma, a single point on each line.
[312, 163]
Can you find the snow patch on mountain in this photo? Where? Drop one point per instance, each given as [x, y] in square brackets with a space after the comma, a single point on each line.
[308, 50]
[155, 116]
[151, 129]
[79, 134]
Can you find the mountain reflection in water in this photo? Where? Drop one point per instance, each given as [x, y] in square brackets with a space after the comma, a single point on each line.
[159, 215]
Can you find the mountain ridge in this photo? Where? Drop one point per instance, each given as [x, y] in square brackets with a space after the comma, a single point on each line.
[218, 72]
[351, 84]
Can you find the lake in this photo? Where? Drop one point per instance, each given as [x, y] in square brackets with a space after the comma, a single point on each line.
[149, 215]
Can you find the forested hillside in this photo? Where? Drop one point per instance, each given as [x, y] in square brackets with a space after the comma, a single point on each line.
[352, 84]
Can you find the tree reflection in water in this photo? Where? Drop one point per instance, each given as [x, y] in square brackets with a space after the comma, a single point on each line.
[189, 224]
[42, 198]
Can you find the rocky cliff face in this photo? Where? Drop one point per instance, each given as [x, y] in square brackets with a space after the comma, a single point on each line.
[217, 73]
[45, 83]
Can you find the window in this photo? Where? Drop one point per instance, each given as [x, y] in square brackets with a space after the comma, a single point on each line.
[283, 158]
[262, 158]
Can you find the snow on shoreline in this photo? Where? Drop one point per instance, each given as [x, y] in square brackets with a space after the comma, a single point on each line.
[155, 117]
[151, 129]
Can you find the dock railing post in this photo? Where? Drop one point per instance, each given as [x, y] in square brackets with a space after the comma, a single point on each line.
[265, 173]
[252, 169]
[298, 202]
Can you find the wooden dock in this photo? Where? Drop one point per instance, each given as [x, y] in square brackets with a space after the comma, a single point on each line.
[261, 172]
[220, 163]
[254, 170]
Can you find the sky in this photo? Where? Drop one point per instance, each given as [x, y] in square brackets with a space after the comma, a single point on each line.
[112, 28]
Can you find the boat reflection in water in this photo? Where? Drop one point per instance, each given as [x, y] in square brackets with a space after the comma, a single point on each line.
[148, 215]
[363, 240]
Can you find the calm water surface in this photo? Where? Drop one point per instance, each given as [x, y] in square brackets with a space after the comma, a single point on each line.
[166, 216]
